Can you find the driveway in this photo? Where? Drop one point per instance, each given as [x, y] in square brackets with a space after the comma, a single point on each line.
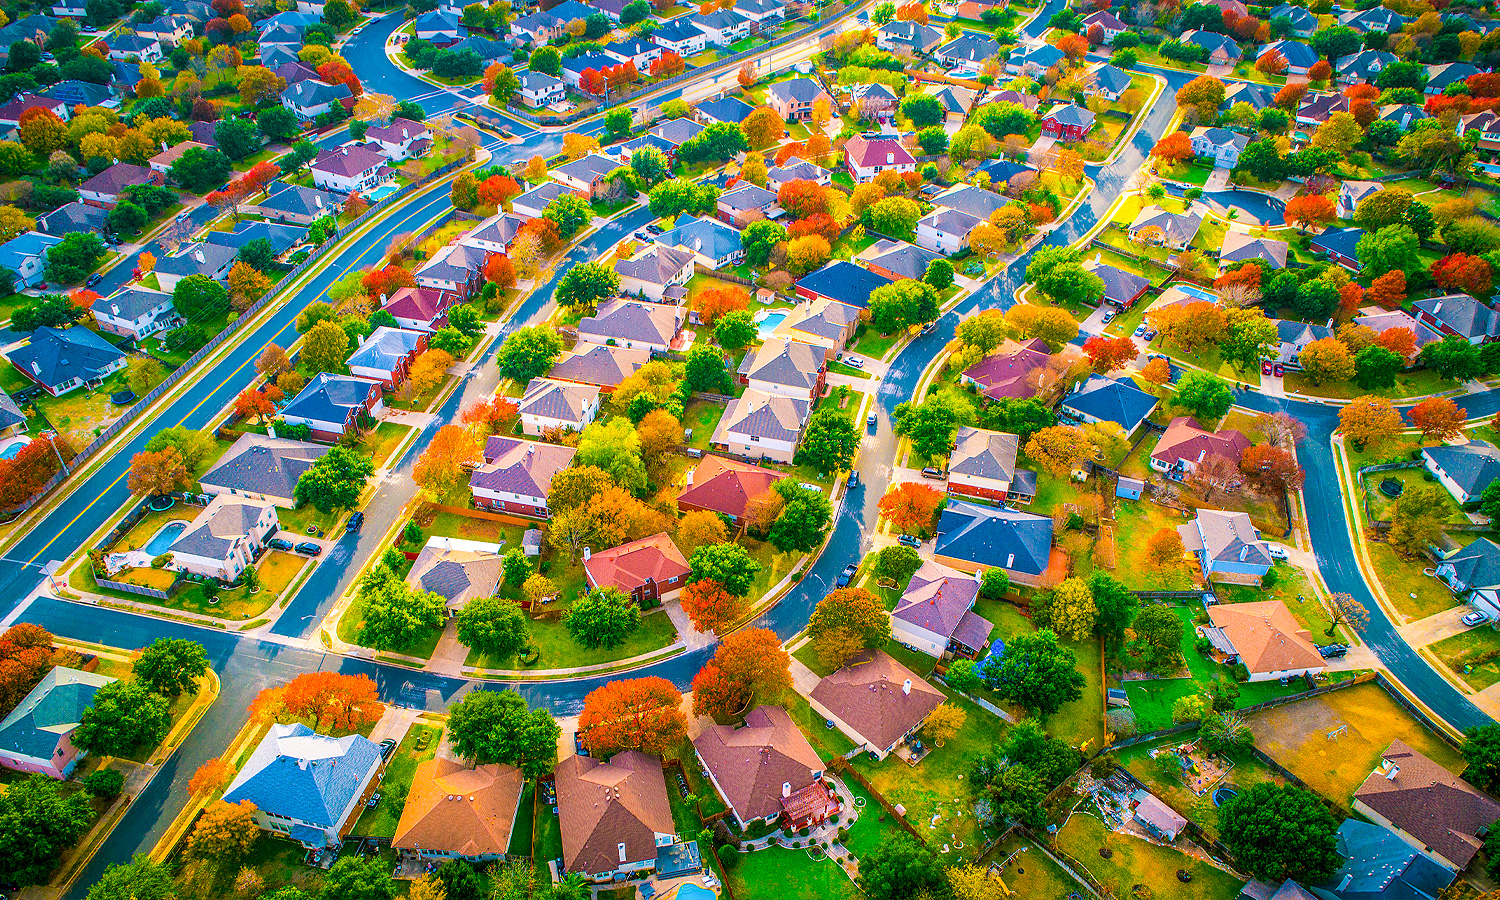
[1435, 627]
[1095, 324]
[1218, 180]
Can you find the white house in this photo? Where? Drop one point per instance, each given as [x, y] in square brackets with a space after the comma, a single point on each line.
[224, 539]
[549, 404]
[1464, 469]
[539, 89]
[758, 425]
[134, 312]
[401, 140]
[516, 475]
[1220, 145]
[349, 169]
[945, 230]
[311, 98]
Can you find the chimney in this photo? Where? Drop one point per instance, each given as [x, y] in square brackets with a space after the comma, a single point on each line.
[890, 158]
[114, 308]
[318, 201]
[786, 786]
[1438, 308]
[906, 687]
[1244, 551]
[1392, 770]
[164, 147]
[1010, 561]
[586, 554]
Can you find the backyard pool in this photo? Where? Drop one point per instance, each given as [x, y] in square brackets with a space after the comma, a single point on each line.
[690, 891]
[767, 320]
[382, 192]
[13, 446]
[1195, 291]
[162, 541]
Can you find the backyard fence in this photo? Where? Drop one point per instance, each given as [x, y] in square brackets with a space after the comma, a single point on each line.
[141, 405]
[137, 589]
[1101, 244]
[1420, 714]
[487, 515]
[1068, 864]
[723, 276]
[840, 766]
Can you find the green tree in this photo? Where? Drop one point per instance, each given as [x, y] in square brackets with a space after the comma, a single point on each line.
[759, 239]
[236, 138]
[358, 878]
[124, 716]
[679, 197]
[649, 165]
[528, 352]
[335, 481]
[193, 446]
[829, 442]
[929, 425]
[923, 110]
[587, 283]
[1158, 637]
[140, 879]
[199, 298]
[898, 563]
[617, 121]
[170, 666]
[898, 868]
[326, 347]
[899, 304]
[1481, 751]
[1375, 367]
[38, 821]
[1453, 357]
[506, 84]
[1204, 395]
[396, 614]
[497, 727]
[569, 212]
[893, 216]
[1115, 604]
[614, 446]
[1036, 673]
[735, 329]
[201, 169]
[1278, 832]
[1392, 247]
[939, 274]
[547, 59]
[277, 123]
[1417, 519]
[933, 140]
[705, 371]
[1060, 277]
[602, 618]
[728, 564]
[994, 584]
[1001, 119]
[71, 260]
[804, 518]
[492, 625]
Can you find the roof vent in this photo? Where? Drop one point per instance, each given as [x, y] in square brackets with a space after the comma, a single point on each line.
[890, 158]
[1010, 561]
[906, 686]
[786, 786]
[586, 554]
[198, 254]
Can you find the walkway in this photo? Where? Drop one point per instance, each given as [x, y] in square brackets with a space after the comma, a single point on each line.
[824, 836]
[691, 637]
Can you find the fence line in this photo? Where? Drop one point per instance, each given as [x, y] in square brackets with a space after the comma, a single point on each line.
[132, 588]
[840, 766]
[1419, 713]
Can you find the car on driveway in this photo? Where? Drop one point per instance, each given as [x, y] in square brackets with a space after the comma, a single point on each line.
[1265, 367]
[1278, 370]
[933, 472]
[846, 576]
[279, 544]
[1475, 618]
[907, 540]
[309, 548]
[1140, 330]
[1109, 316]
[387, 747]
[1333, 651]
[854, 361]
[1276, 550]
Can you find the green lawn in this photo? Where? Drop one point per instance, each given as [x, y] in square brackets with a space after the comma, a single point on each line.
[1379, 504]
[548, 843]
[829, 742]
[872, 343]
[1246, 773]
[793, 873]
[1414, 383]
[1473, 655]
[1028, 872]
[557, 649]
[1135, 522]
[298, 520]
[381, 443]
[1137, 861]
[381, 821]
[702, 417]
[839, 368]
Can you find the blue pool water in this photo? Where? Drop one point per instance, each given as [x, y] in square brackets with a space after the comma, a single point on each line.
[769, 323]
[161, 542]
[692, 891]
[1194, 290]
[382, 192]
[10, 450]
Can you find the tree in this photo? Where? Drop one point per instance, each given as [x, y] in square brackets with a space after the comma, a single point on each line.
[1108, 354]
[1439, 417]
[498, 727]
[139, 879]
[1174, 148]
[1059, 275]
[1052, 325]
[682, 197]
[1203, 93]
[642, 714]
[806, 253]
[1453, 357]
[329, 699]
[358, 878]
[1375, 367]
[1327, 360]
[829, 442]
[713, 303]
[846, 621]
[1072, 610]
[492, 625]
[1278, 832]
[894, 216]
[705, 371]
[1417, 519]
[943, 723]
[901, 304]
[1392, 247]
[71, 260]
[898, 868]
[169, 666]
[586, 284]
[1310, 210]
[325, 348]
[912, 508]
[1272, 63]
[1388, 290]
[897, 563]
[1367, 420]
[198, 298]
[200, 169]
[804, 518]
[1059, 449]
[735, 330]
[569, 213]
[602, 618]
[38, 822]
[1158, 637]
[252, 404]
[763, 127]
[1345, 610]
[758, 240]
[1036, 673]
[528, 352]
[224, 832]
[727, 564]
[1204, 395]
[124, 716]
[1270, 470]
[236, 139]
[1481, 750]
[156, 474]
[335, 481]
[748, 666]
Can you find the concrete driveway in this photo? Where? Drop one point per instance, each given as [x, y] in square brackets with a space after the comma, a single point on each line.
[1218, 180]
[1435, 627]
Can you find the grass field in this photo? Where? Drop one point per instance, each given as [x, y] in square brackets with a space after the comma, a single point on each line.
[1028, 872]
[1296, 736]
[1135, 522]
[794, 874]
[1135, 861]
[558, 649]
[1473, 655]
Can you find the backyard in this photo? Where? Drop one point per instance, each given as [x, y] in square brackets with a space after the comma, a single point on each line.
[381, 821]
[556, 648]
[794, 873]
[1028, 872]
[1134, 861]
[1246, 772]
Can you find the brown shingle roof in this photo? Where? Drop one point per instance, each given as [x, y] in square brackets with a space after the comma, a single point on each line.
[751, 764]
[1429, 803]
[1266, 636]
[1186, 439]
[726, 486]
[629, 565]
[602, 805]
[455, 809]
[878, 697]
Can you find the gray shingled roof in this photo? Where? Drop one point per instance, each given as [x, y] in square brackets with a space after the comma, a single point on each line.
[762, 415]
[1464, 314]
[521, 467]
[258, 464]
[1007, 538]
[1472, 466]
[1477, 565]
[131, 302]
[979, 453]
[658, 265]
[217, 528]
[632, 320]
[785, 362]
[557, 400]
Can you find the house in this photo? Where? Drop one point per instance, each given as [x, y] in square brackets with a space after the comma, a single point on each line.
[676, 131]
[1017, 374]
[1108, 82]
[1440, 76]
[634, 50]
[746, 203]
[169, 31]
[946, 230]
[874, 102]
[1464, 469]
[1461, 315]
[1121, 288]
[1353, 191]
[983, 465]
[970, 49]
[786, 368]
[1362, 67]
[612, 9]
[516, 476]
[1304, 22]
[134, 311]
[633, 324]
[842, 281]
[1317, 107]
[295, 203]
[648, 570]
[534, 202]
[720, 27]
[457, 268]
[557, 404]
[680, 37]
[1475, 570]
[73, 217]
[1067, 122]
[275, 56]
[539, 28]
[1107, 21]
[1239, 246]
[624, 152]
[1157, 226]
[312, 97]
[957, 101]
[134, 47]
[766, 771]
[1185, 444]
[1340, 245]
[726, 487]
[458, 571]
[63, 361]
[1219, 145]
[74, 93]
[387, 354]
[586, 175]
[1257, 95]
[212, 261]
[1264, 636]
[761, 13]
[401, 140]
[824, 323]
[797, 169]
[421, 308]
[1298, 55]
[1101, 399]
[1292, 337]
[307, 786]
[868, 155]
[332, 405]
[105, 189]
[162, 162]
[36, 737]
[713, 243]
[10, 113]
[897, 259]
[728, 110]
[26, 256]
[875, 701]
[973, 538]
[1486, 125]
[281, 237]
[614, 816]
[935, 614]
[759, 425]
[1383, 319]
[539, 89]
[349, 169]
[793, 99]
[1222, 50]
[261, 468]
[653, 271]
[908, 37]
[439, 28]
[1379, 865]
[225, 538]
[1159, 819]
[601, 365]
[1227, 546]
[454, 811]
[1438, 813]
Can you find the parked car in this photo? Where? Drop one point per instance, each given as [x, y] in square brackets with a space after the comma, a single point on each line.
[847, 575]
[1140, 330]
[1475, 618]
[1279, 370]
[1150, 334]
[854, 361]
[387, 747]
[1333, 651]
[355, 521]
[1109, 316]
[93, 280]
[1265, 367]
[870, 420]
[309, 548]
[933, 472]
[853, 479]
[907, 540]
[279, 544]
[1276, 550]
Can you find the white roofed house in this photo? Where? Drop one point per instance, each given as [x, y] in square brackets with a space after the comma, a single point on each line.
[402, 139]
[1239, 246]
[758, 425]
[549, 404]
[134, 312]
[826, 323]
[1220, 145]
[946, 230]
[633, 325]
[134, 47]
[349, 169]
[495, 234]
[936, 613]
[311, 98]
[721, 27]
[457, 268]
[209, 260]
[458, 571]
[539, 89]
[516, 475]
[656, 272]
[387, 354]
[225, 538]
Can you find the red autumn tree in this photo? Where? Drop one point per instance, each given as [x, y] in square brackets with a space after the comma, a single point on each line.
[912, 508]
[668, 65]
[549, 239]
[642, 714]
[329, 699]
[1364, 112]
[788, 151]
[26, 656]
[591, 82]
[498, 269]
[1462, 272]
[1108, 354]
[1439, 417]
[1073, 45]
[1484, 84]
[802, 198]
[1270, 470]
[1320, 71]
[817, 223]
[1400, 341]
[710, 607]
[1388, 290]
[1310, 210]
[912, 12]
[748, 666]
[1290, 95]
[386, 281]
[1362, 91]
[355, 205]
[1095, 34]
[496, 189]
[1246, 275]
[24, 474]
[719, 301]
[1351, 296]
[252, 404]
[336, 71]
[1173, 148]
[1272, 63]
[488, 417]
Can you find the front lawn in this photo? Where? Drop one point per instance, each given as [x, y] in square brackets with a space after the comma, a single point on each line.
[1473, 655]
[873, 344]
[1412, 383]
[382, 820]
[557, 649]
[298, 520]
[381, 443]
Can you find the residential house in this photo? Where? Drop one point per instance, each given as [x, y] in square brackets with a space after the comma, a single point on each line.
[897, 259]
[614, 816]
[311, 98]
[1233, 8]
[1383, 319]
[1440, 76]
[970, 49]
[935, 614]
[261, 468]
[868, 155]
[538, 29]
[633, 325]
[439, 28]
[538, 89]
[1067, 122]
[1157, 226]
[558, 405]
[307, 786]
[26, 256]
[1442, 816]
[1353, 191]
[212, 261]
[1316, 107]
[1292, 337]
[1017, 374]
[1298, 55]
[1461, 315]
[1464, 469]
[908, 37]
[421, 308]
[974, 538]
[63, 361]
[623, 152]
[105, 189]
[1159, 819]
[758, 425]
[786, 368]
[454, 811]
[680, 37]
[10, 113]
[601, 365]
[275, 56]
[516, 475]
[793, 99]
[728, 110]
[387, 354]
[726, 487]
[1108, 22]
[634, 50]
[957, 101]
[713, 243]
[225, 538]
[332, 405]
[1101, 399]
[134, 47]
[745, 203]
[73, 217]
[1219, 145]
[36, 737]
[1239, 246]
[350, 169]
[1340, 245]
[763, 14]
[842, 281]
[946, 230]
[1227, 546]
[612, 9]
[1484, 125]
[1304, 22]
[1265, 637]
[1222, 50]
[281, 237]
[457, 268]
[649, 570]
[983, 466]
[206, 133]
[975, 201]
[825, 323]
[1379, 865]
[1121, 288]
[534, 202]
[720, 27]
[1185, 444]
[1362, 67]
[1108, 82]
[402, 139]
[456, 570]
[766, 771]
[654, 272]
[875, 701]
[74, 93]
[873, 102]
[295, 203]
[587, 175]
[134, 311]
[1474, 571]
[797, 169]
[162, 162]
[1259, 96]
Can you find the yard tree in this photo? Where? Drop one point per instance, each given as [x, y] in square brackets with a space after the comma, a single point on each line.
[252, 404]
[1059, 448]
[929, 426]
[1248, 337]
[1158, 636]
[1059, 275]
[1369, 419]
[1387, 206]
[893, 216]
[585, 284]
[763, 127]
[335, 481]
[603, 618]
[1327, 360]
[803, 521]
[396, 614]
[753, 170]
[1339, 133]
[200, 169]
[1388, 290]
[1204, 94]
[846, 621]
[682, 197]
[1453, 357]
[1272, 63]
[1036, 673]
[898, 868]
[156, 474]
[897, 563]
[943, 723]
[1277, 832]
[1462, 272]
[749, 666]
[1214, 472]
[1310, 210]
[806, 253]
[736, 329]
[1158, 372]
[224, 832]
[830, 441]
[1481, 750]
[1108, 354]
[1417, 519]
[1052, 325]
[528, 352]
[497, 727]
[1392, 247]
[1001, 119]
[1375, 367]
[994, 584]
[429, 370]
[140, 879]
[912, 508]
[699, 528]
[713, 302]
[124, 716]
[1204, 395]
[1164, 549]
[461, 881]
[660, 434]
[939, 274]
[1114, 605]
[70, 261]
[802, 198]
[1073, 612]
[1345, 610]
[1439, 417]
[922, 109]
[710, 607]
[358, 878]
[492, 625]
[902, 303]
[705, 370]
[331, 700]
[325, 348]
[170, 666]
[614, 446]
[642, 714]
[1270, 470]
[1174, 148]
[569, 213]
[759, 239]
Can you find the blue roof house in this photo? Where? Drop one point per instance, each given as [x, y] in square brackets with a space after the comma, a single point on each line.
[973, 538]
[63, 361]
[282, 237]
[712, 243]
[307, 786]
[843, 282]
[387, 354]
[1102, 399]
[1379, 865]
[26, 255]
[36, 736]
[1340, 245]
[331, 404]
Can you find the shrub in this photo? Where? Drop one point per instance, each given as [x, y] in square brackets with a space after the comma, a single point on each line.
[105, 783]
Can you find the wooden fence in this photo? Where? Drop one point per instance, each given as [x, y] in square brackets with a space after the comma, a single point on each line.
[503, 518]
[840, 766]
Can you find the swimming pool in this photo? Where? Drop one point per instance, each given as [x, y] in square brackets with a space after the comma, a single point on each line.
[768, 321]
[162, 541]
[1195, 291]
[690, 891]
[382, 192]
[12, 447]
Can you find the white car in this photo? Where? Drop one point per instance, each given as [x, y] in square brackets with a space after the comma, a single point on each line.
[1277, 551]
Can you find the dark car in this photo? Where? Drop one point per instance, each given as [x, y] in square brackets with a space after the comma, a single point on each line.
[1333, 651]
[279, 544]
[387, 747]
[309, 548]
[854, 479]
[94, 279]
[847, 575]
[1279, 370]
[907, 540]
[355, 521]
[1265, 367]
[933, 473]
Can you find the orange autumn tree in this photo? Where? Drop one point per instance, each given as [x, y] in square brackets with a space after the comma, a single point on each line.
[1164, 549]
[330, 700]
[499, 270]
[912, 508]
[1310, 210]
[710, 607]
[386, 281]
[1439, 417]
[720, 301]
[642, 714]
[213, 775]
[1400, 341]
[1158, 372]
[1174, 148]
[488, 417]
[1108, 354]
[441, 470]
[1388, 290]
[748, 666]
[252, 404]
